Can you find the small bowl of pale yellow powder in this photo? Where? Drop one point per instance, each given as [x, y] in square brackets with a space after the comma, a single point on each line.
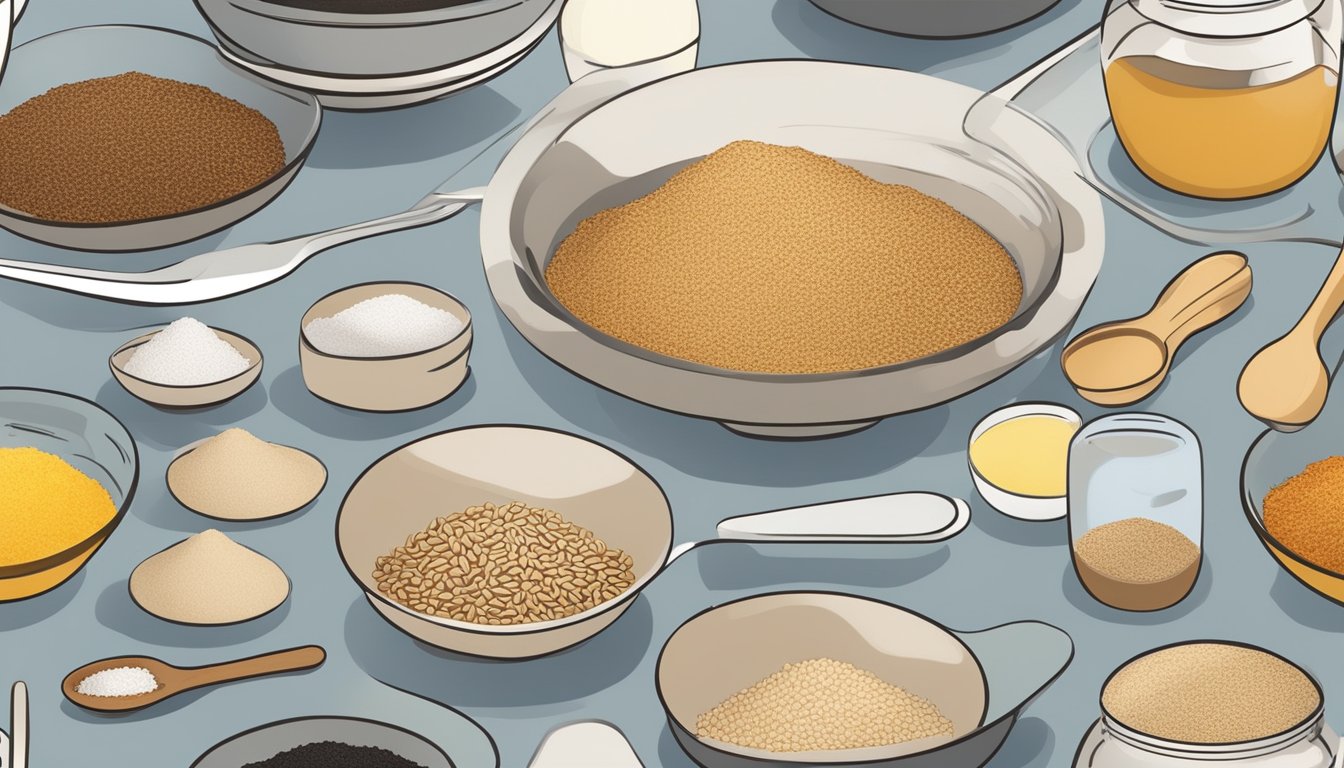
[823, 678]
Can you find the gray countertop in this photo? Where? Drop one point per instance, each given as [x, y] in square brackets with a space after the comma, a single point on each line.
[366, 165]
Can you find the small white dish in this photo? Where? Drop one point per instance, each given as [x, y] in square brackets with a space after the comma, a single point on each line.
[1020, 506]
[183, 396]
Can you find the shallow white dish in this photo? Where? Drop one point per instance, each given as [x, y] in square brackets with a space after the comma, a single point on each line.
[1017, 505]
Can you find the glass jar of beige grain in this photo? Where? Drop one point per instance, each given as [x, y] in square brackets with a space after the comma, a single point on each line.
[1136, 510]
[1222, 99]
[1210, 703]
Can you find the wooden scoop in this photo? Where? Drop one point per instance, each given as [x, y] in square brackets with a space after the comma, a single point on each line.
[174, 680]
[1285, 384]
[1123, 362]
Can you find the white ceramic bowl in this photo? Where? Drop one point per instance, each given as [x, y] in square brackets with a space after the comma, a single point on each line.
[1020, 506]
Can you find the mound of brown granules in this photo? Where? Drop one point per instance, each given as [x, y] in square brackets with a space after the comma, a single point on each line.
[511, 564]
[822, 704]
[1137, 564]
[131, 147]
[778, 260]
[1210, 693]
[1305, 513]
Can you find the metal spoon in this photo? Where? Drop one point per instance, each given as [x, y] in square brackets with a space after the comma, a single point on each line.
[1123, 362]
[587, 744]
[1285, 384]
[173, 680]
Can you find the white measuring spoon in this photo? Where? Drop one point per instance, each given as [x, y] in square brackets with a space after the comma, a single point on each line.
[913, 517]
[587, 744]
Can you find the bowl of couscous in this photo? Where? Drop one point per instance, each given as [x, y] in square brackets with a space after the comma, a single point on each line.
[824, 678]
[69, 470]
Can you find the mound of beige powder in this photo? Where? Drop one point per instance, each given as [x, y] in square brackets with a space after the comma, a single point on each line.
[208, 579]
[779, 260]
[236, 476]
[1210, 693]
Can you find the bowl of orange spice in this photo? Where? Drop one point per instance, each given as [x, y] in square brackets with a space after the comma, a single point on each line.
[1292, 487]
[68, 469]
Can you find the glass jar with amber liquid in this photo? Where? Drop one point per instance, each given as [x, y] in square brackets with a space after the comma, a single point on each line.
[1222, 99]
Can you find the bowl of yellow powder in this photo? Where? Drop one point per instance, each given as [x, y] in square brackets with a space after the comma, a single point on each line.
[1019, 459]
[68, 469]
[820, 678]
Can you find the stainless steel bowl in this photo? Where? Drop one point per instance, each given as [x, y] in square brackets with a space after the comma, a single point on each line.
[364, 45]
[895, 126]
[936, 18]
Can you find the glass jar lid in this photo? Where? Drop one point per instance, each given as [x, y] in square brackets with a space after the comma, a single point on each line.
[1227, 18]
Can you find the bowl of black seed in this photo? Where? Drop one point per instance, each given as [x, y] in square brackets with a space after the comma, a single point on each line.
[325, 742]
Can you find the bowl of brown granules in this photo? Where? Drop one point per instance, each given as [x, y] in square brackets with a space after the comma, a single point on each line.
[822, 678]
[136, 138]
[1292, 488]
[753, 244]
[503, 541]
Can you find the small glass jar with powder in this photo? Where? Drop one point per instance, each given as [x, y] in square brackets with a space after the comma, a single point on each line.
[1136, 510]
[1225, 704]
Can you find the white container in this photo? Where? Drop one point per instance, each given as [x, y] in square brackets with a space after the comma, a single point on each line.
[1111, 745]
[606, 34]
[1020, 506]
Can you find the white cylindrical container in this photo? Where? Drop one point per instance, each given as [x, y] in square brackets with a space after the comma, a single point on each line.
[605, 34]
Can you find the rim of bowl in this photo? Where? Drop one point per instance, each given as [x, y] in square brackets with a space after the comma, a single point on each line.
[291, 164]
[530, 628]
[50, 561]
[290, 721]
[326, 478]
[289, 588]
[311, 347]
[1255, 516]
[139, 341]
[446, 14]
[783, 757]
[1316, 713]
[998, 416]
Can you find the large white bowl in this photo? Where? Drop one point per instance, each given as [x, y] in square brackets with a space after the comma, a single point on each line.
[895, 126]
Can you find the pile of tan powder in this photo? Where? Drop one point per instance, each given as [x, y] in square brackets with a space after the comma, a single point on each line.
[131, 147]
[208, 579]
[236, 476]
[1210, 693]
[775, 259]
[822, 704]
[510, 564]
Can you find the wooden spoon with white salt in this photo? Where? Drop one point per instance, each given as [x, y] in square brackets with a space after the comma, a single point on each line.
[132, 674]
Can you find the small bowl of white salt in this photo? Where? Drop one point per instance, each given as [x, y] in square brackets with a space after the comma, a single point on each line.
[385, 347]
[186, 364]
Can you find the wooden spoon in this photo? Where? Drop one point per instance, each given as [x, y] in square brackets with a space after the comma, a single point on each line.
[174, 680]
[1123, 362]
[1285, 384]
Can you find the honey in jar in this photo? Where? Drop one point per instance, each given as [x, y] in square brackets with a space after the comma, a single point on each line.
[1218, 100]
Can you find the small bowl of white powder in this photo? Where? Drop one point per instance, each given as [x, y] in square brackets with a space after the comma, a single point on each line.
[186, 364]
[385, 346]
